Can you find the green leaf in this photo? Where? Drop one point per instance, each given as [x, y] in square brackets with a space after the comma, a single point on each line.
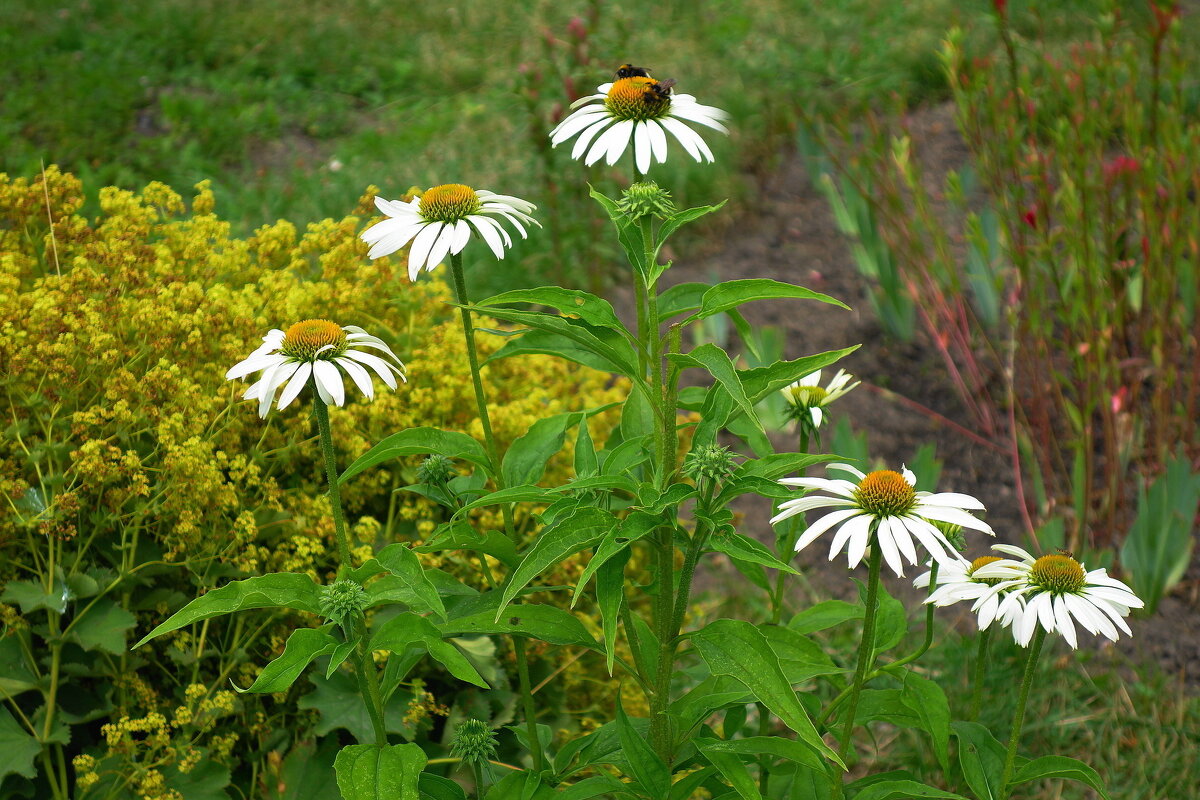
[681, 298]
[644, 764]
[731, 294]
[406, 629]
[637, 417]
[739, 650]
[521, 786]
[370, 772]
[981, 758]
[307, 773]
[628, 234]
[760, 382]
[681, 218]
[825, 615]
[929, 703]
[548, 623]
[774, 746]
[610, 595]
[742, 547]
[277, 590]
[302, 647]
[731, 767]
[32, 596]
[635, 526]
[525, 461]
[534, 342]
[17, 748]
[207, 781]
[587, 464]
[1061, 767]
[685, 788]
[718, 364]
[102, 627]
[402, 562]
[589, 788]
[710, 695]
[419, 442]
[460, 535]
[564, 538]
[891, 623]
[340, 704]
[800, 657]
[588, 307]
[1158, 549]
[435, 787]
[15, 675]
[900, 790]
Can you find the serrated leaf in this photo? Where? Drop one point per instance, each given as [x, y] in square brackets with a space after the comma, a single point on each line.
[548, 623]
[739, 650]
[15, 675]
[371, 772]
[18, 749]
[32, 596]
[340, 704]
[564, 538]
[302, 647]
[278, 590]
[1063, 768]
[206, 781]
[416, 442]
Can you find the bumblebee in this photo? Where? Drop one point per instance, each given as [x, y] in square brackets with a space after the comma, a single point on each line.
[660, 90]
[630, 71]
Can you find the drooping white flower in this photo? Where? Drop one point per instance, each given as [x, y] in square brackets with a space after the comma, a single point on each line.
[887, 503]
[807, 397]
[1055, 591]
[442, 220]
[316, 351]
[636, 110]
[957, 581]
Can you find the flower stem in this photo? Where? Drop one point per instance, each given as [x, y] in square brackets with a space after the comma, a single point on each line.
[977, 672]
[321, 412]
[866, 648]
[368, 680]
[794, 526]
[460, 294]
[1019, 717]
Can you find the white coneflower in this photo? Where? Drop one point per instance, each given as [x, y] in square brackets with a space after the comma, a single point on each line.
[957, 580]
[316, 350]
[1055, 591]
[441, 221]
[636, 110]
[888, 503]
[807, 397]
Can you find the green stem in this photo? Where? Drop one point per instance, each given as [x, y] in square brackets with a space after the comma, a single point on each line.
[866, 648]
[477, 769]
[794, 526]
[321, 412]
[368, 684]
[928, 641]
[460, 294]
[1019, 717]
[977, 672]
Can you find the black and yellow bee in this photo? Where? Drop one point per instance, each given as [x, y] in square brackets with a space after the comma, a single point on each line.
[630, 71]
[661, 89]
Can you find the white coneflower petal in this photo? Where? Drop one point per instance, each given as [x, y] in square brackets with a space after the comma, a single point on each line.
[441, 222]
[883, 507]
[635, 112]
[315, 352]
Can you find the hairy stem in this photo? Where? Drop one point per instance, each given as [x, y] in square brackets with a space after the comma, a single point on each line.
[321, 412]
[866, 648]
[1019, 717]
[977, 672]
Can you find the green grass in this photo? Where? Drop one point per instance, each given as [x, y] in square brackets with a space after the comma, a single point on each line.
[292, 109]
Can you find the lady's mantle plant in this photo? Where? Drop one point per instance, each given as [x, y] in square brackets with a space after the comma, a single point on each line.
[646, 514]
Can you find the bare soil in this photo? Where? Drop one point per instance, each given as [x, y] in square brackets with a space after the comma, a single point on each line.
[792, 237]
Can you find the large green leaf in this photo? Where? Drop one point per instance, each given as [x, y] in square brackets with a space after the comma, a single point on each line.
[102, 627]
[417, 442]
[307, 773]
[900, 790]
[645, 766]
[277, 590]
[610, 596]
[760, 382]
[635, 526]
[18, 749]
[774, 746]
[674, 223]
[1060, 767]
[302, 647]
[596, 786]
[731, 294]
[743, 548]
[435, 787]
[370, 772]
[739, 650]
[525, 461]
[731, 768]
[929, 703]
[718, 364]
[681, 298]
[588, 307]
[32, 596]
[981, 758]
[547, 623]
[523, 785]
[825, 615]
[401, 562]
[800, 658]
[15, 675]
[338, 700]
[460, 535]
[583, 529]
[1158, 549]
[406, 629]
[207, 781]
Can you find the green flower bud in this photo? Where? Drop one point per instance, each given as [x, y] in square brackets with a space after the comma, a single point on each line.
[712, 462]
[342, 598]
[953, 534]
[436, 470]
[645, 197]
[474, 742]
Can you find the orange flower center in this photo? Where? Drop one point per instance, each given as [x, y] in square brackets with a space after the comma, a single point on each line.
[1058, 574]
[979, 562]
[312, 337]
[638, 98]
[449, 202]
[885, 493]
